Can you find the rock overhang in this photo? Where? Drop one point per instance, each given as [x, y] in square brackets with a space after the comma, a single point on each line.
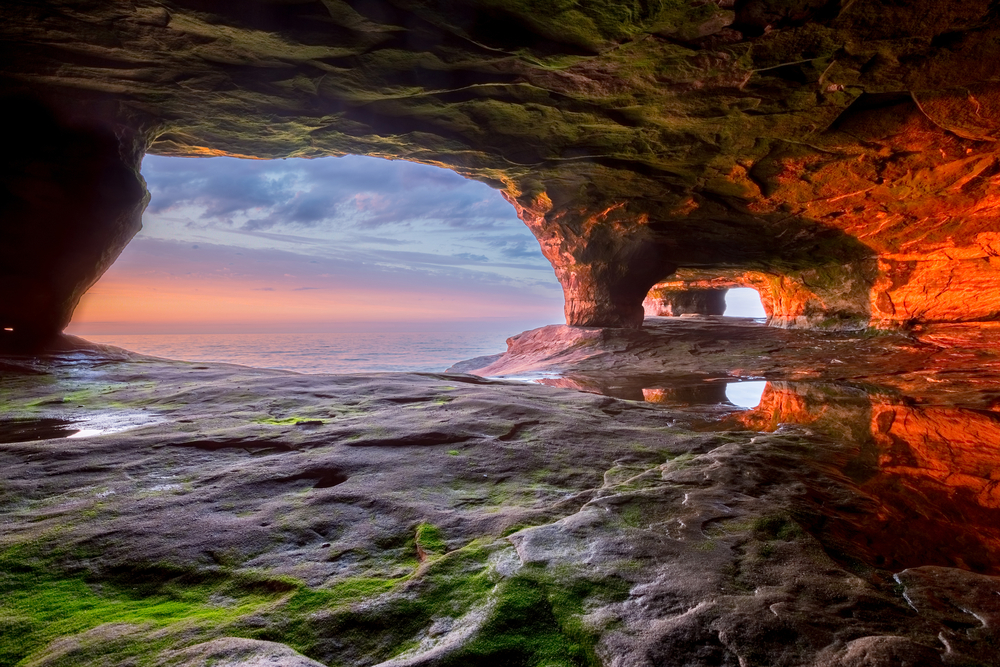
[844, 151]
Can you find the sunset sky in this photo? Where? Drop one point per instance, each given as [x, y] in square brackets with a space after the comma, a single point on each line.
[333, 244]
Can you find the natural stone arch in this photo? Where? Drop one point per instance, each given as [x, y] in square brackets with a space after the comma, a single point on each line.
[676, 298]
[833, 298]
[633, 138]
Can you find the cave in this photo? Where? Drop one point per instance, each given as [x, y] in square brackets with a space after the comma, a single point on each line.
[849, 173]
[650, 483]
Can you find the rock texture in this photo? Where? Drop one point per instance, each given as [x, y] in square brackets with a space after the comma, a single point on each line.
[235, 516]
[666, 300]
[949, 364]
[845, 151]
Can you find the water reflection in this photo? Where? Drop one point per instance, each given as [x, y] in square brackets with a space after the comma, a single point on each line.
[87, 426]
[32, 430]
[891, 483]
[746, 394]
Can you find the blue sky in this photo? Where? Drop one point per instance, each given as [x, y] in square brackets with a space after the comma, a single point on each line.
[332, 244]
[325, 244]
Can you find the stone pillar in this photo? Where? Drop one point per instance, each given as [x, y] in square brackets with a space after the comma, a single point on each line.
[71, 197]
[605, 260]
[674, 302]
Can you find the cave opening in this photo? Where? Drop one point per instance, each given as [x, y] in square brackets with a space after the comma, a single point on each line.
[682, 297]
[744, 302]
[370, 255]
[746, 394]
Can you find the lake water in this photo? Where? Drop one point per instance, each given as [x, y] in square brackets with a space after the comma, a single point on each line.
[320, 352]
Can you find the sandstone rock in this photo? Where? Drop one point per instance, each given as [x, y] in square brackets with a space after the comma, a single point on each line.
[476, 522]
[845, 154]
[673, 303]
[236, 652]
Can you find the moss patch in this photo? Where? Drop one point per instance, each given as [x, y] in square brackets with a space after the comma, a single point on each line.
[289, 421]
[38, 603]
[537, 620]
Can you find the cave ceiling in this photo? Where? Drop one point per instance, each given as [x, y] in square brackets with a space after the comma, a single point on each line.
[847, 149]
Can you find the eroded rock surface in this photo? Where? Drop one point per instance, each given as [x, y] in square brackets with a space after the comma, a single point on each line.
[665, 301]
[226, 513]
[845, 151]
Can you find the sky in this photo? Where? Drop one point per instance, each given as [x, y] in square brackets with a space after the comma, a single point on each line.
[331, 244]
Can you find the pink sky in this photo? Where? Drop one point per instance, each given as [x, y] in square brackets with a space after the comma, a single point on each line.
[298, 245]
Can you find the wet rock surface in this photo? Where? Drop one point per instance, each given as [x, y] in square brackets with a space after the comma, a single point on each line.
[950, 364]
[215, 512]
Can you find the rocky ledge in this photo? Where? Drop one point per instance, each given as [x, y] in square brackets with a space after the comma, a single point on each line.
[171, 513]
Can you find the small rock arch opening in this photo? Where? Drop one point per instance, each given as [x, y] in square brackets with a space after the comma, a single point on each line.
[744, 302]
[705, 296]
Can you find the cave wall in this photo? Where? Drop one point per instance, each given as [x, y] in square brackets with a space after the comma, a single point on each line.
[667, 302]
[71, 198]
[845, 151]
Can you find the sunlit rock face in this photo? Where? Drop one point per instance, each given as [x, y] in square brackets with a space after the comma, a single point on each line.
[832, 297]
[845, 152]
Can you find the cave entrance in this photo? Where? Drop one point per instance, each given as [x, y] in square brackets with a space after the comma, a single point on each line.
[744, 302]
[297, 247]
[703, 296]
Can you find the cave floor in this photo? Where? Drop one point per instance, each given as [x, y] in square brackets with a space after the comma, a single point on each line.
[170, 513]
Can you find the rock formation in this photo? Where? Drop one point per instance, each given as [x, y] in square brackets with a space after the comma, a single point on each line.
[846, 151]
[668, 301]
[246, 517]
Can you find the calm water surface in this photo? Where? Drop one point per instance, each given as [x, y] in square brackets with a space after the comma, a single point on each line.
[320, 352]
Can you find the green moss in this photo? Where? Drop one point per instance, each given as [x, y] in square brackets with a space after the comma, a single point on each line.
[680, 461]
[776, 527]
[537, 621]
[430, 539]
[533, 619]
[289, 421]
[38, 603]
[395, 610]
[635, 514]
[353, 589]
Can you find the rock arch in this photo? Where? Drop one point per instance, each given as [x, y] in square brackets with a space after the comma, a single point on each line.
[847, 153]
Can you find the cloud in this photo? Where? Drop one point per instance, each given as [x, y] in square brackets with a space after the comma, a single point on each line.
[472, 258]
[329, 239]
[366, 193]
[280, 270]
[516, 248]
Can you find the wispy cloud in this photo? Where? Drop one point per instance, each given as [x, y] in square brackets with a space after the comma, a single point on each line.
[337, 238]
[366, 193]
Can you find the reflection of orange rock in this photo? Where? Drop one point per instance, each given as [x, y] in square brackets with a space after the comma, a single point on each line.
[936, 488]
[948, 448]
[657, 395]
[779, 404]
[928, 478]
[702, 393]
